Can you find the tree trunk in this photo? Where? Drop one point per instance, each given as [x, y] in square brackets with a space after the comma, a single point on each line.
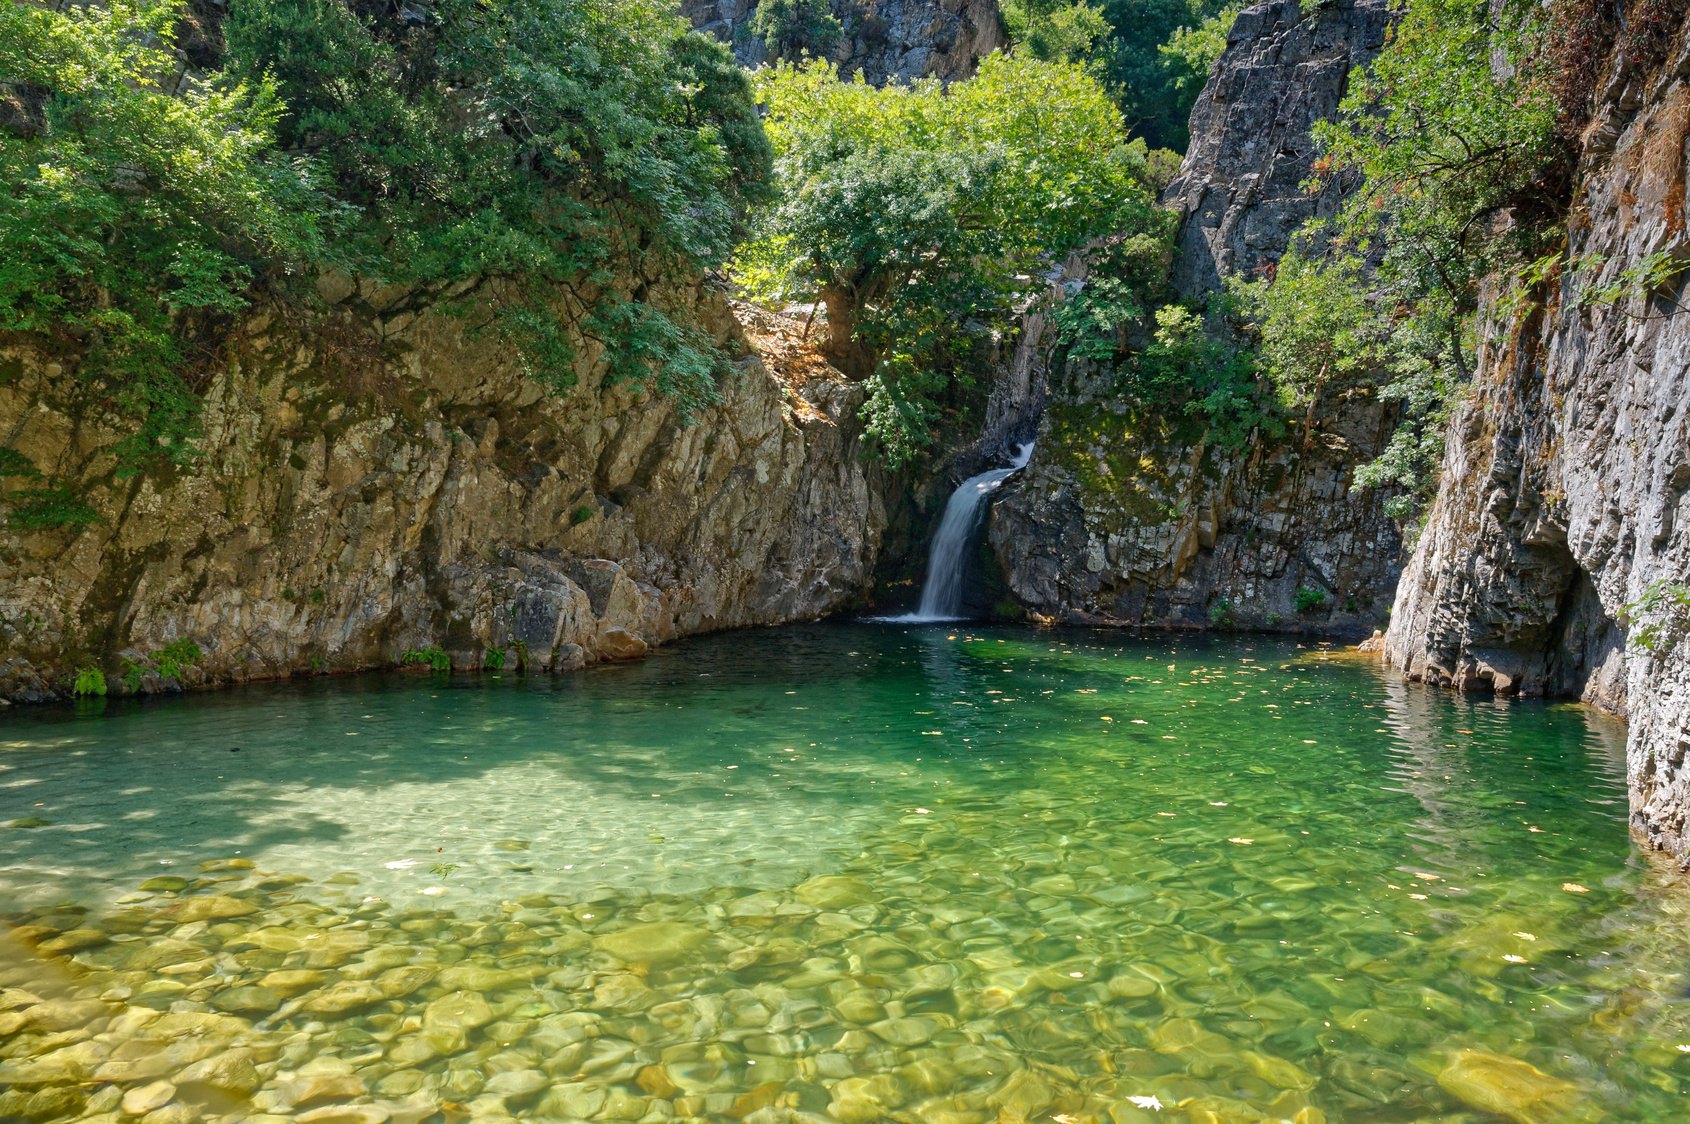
[842, 347]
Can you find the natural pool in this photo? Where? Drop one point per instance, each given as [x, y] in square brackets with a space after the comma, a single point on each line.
[839, 873]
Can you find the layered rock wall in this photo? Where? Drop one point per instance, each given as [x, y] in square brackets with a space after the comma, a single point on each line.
[1128, 518]
[1563, 492]
[380, 480]
[885, 40]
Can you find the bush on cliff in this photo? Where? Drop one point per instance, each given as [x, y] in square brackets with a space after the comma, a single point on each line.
[543, 159]
[1447, 151]
[911, 211]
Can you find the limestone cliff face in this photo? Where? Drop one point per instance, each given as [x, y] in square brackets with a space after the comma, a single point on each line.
[376, 481]
[1563, 493]
[885, 40]
[1135, 521]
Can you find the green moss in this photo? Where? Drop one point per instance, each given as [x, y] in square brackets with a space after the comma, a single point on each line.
[1121, 462]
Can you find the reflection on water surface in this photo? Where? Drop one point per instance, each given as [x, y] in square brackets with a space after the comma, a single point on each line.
[838, 874]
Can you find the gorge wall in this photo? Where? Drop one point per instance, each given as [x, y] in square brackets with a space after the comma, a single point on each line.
[884, 40]
[377, 480]
[1563, 491]
[1123, 520]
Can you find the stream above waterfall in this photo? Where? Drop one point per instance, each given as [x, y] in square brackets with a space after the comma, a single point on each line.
[837, 873]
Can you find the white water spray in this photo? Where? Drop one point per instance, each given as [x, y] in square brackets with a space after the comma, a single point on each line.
[941, 596]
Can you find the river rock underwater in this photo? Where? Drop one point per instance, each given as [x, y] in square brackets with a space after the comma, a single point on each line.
[842, 873]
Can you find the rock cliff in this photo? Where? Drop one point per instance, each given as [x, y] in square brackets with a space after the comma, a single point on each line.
[885, 40]
[378, 480]
[1130, 520]
[1563, 490]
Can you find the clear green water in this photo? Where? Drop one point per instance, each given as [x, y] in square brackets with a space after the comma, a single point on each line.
[843, 873]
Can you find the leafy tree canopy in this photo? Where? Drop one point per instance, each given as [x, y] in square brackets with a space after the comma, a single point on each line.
[910, 210]
[1448, 150]
[515, 152]
[1153, 55]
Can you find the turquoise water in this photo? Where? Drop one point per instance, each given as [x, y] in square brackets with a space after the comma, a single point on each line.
[842, 873]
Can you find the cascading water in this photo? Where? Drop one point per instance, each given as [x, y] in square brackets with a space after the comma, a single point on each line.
[941, 596]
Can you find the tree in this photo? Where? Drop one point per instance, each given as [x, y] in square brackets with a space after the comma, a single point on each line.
[1449, 150]
[791, 28]
[138, 209]
[1156, 88]
[910, 210]
[531, 150]
[1317, 327]
[1055, 30]
[553, 152]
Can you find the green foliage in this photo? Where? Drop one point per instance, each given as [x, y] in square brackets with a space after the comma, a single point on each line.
[1308, 600]
[14, 463]
[792, 28]
[582, 514]
[911, 211]
[1452, 128]
[1054, 30]
[536, 159]
[1190, 52]
[89, 681]
[49, 509]
[432, 657]
[1156, 87]
[169, 662]
[1658, 617]
[177, 657]
[1220, 612]
[541, 153]
[443, 870]
[135, 218]
[494, 659]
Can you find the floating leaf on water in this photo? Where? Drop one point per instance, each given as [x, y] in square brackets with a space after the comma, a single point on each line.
[1574, 888]
[1241, 841]
[1512, 959]
[1147, 1102]
[401, 864]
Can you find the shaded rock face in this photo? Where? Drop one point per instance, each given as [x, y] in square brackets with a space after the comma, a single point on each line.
[885, 41]
[1286, 66]
[1130, 520]
[1563, 493]
[432, 496]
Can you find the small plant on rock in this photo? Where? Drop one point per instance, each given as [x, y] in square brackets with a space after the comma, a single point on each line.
[89, 681]
[175, 658]
[433, 656]
[1308, 600]
[494, 660]
[1658, 617]
[1220, 612]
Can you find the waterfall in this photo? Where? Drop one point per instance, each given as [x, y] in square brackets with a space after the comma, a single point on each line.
[941, 595]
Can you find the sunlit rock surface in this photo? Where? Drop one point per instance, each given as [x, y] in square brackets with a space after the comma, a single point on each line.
[380, 480]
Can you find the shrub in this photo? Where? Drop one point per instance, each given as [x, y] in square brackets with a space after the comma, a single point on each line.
[790, 28]
[913, 211]
[494, 659]
[90, 681]
[1308, 600]
[432, 657]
